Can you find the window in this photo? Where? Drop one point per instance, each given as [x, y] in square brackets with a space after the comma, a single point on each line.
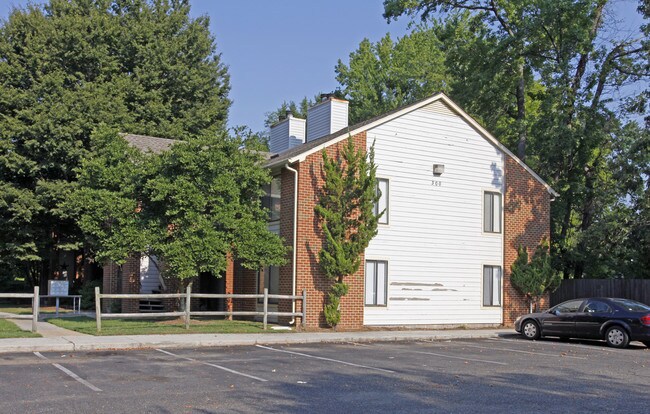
[271, 199]
[492, 212]
[630, 305]
[491, 285]
[571, 306]
[376, 283]
[269, 278]
[382, 203]
[596, 306]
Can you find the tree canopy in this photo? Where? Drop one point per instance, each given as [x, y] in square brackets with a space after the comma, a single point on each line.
[564, 85]
[67, 66]
[387, 74]
[192, 205]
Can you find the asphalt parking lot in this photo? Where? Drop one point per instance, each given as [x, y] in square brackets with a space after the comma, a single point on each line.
[506, 374]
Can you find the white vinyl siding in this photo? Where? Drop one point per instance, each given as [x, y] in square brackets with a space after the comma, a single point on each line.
[492, 212]
[491, 285]
[382, 203]
[287, 134]
[326, 117]
[376, 283]
[435, 242]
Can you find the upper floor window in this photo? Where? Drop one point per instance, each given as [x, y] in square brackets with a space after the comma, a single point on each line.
[271, 199]
[492, 212]
[382, 204]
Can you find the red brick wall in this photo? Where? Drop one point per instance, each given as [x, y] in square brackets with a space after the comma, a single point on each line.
[245, 281]
[310, 241]
[527, 222]
[130, 283]
[109, 283]
[286, 232]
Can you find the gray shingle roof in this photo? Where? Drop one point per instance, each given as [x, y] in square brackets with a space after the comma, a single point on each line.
[149, 144]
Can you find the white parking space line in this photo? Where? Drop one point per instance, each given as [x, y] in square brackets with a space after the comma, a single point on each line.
[70, 373]
[325, 359]
[465, 344]
[594, 347]
[232, 371]
[457, 357]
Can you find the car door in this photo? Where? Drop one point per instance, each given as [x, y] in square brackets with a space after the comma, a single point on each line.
[591, 317]
[561, 319]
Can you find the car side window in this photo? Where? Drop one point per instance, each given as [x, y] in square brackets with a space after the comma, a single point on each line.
[595, 306]
[571, 306]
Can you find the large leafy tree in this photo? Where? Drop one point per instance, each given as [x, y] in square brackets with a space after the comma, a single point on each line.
[140, 66]
[192, 206]
[387, 74]
[299, 110]
[345, 211]
[562, 61]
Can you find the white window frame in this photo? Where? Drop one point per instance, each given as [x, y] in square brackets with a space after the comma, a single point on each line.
[384, 219]
[493, 294]
[375, 303]
[488, 226]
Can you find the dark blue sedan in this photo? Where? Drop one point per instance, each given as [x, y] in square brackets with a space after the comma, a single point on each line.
[617, 321]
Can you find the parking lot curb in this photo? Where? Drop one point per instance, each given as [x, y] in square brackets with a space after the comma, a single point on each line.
[96, 343]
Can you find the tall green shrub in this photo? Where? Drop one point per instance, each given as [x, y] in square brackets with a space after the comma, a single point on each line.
[346, 214]
[536, 277]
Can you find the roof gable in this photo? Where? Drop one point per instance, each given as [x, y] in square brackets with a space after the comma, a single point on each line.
[439, 103]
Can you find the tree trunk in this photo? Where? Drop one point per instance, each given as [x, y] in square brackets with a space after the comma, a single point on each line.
[521, 112]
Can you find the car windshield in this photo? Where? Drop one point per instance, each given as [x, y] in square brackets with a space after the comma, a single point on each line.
[631, 305]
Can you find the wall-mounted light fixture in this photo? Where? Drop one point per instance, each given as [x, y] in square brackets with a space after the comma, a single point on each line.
[438, 169]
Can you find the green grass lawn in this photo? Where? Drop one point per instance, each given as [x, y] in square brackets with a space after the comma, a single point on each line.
[156, 327]
[10, 330]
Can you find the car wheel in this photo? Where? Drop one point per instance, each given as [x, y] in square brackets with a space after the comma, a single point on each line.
[617, 337]
[530, 330]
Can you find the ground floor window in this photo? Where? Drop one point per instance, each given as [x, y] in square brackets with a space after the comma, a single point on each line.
[376, 283]
[491, 285]
[269, 277]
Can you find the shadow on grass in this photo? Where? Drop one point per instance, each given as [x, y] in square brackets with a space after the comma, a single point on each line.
[156, 327]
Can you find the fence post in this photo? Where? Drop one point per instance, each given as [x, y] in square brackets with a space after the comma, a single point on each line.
[188, 305]
[98, 309]
[36, 302]
[304, 308]
[266, 306]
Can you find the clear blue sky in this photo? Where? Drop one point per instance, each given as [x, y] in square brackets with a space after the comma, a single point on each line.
[287, 49]
[281, 50]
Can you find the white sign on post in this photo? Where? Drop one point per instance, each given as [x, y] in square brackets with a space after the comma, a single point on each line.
[58, 288]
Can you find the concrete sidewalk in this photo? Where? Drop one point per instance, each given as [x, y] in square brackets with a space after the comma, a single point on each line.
[72, 343]
[47, 330]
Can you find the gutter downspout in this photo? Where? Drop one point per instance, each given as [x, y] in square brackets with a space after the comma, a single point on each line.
[295, 241]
